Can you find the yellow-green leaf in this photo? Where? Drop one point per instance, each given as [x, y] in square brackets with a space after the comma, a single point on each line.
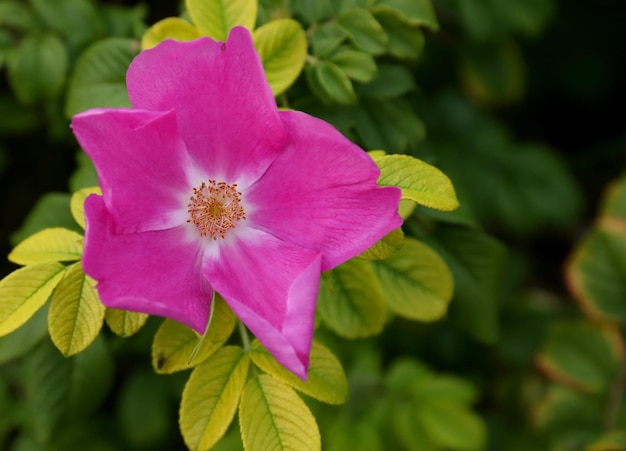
[376, 154]
[77, 203]
[211, 396]
[351, 301]
[385, 247]
[416, 281]
[326, 379]
[25, 291]
[76, 313]
[272, 417]
[215, 18]
[169, 28]
[174, 343]
[282, 46]
[406, 208]
[419, 181]
[123, 322]
[49, 245]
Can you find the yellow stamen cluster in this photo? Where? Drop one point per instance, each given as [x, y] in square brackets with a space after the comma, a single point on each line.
[215, 208]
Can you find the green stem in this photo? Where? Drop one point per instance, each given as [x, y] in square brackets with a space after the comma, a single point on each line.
[245, 338]
[196, 348]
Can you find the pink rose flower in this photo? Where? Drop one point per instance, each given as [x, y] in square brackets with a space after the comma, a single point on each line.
[207, 186]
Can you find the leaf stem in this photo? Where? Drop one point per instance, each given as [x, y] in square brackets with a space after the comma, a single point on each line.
[196, 348]
[243, 333]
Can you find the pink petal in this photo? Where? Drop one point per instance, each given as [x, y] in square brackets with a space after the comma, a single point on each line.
[321, 193]
[226, 110]
[272, 287]
[158, 273]
[141, 162]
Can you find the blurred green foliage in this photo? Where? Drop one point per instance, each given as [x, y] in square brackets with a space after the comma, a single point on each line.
[515, 100]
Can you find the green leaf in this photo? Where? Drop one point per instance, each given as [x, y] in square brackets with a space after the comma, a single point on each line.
[215, 18]
[20, 342]
[451, 426]
[327, 38]
[419, 181]
[405, 41]
[37, 70]
[409, 431]
[562, 409]
[59, 392]
[385, 247]
[477, 262]
[312, 12]
[78, 21]
[282, 46]
[446, 388]
[17, 16]
[25, 291]
[99, 77]
[144, 410]
[596, 271]
[334, 83]
[90, 379]
[326, 380]
[169, 28]
[363, 30]
[392, 81]
[389, 124]
[46, 378]
[123, 322]
[353, 434]
[415, 12]
[174, 343]
[76, 313]
[582, 355]
[211, 396]
[77, 203]
[416, 282]
[406, 373]
[357, 65]
[273, 418]
[351, 302]
[49, 245]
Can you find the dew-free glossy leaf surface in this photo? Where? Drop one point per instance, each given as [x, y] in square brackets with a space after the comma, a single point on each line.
[25, 291]
[215, 18]
[282, 46]
[272, 417]
[76, 313]
[351, 301]
[174, 343]
[50, 245]
[326, 380]
[416, 282]
[211, 397]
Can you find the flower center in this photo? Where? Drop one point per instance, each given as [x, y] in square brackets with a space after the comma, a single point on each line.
[215, 208]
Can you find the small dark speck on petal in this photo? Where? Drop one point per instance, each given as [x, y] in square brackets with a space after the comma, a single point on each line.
[223, 46]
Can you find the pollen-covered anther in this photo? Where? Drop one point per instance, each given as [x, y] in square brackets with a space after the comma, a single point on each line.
[215, 208]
